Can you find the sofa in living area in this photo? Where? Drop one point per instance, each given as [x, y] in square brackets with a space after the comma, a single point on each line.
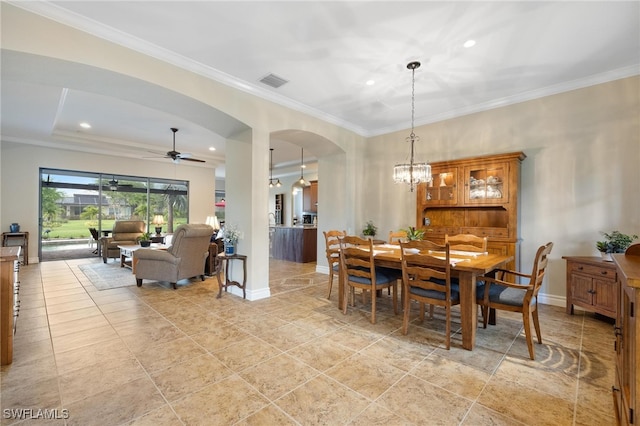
[185, 258]
[125, 232]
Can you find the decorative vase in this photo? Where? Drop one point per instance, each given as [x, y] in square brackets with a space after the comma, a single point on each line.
[14, 227]
[145, 243]
[606, 256]
[229, 249]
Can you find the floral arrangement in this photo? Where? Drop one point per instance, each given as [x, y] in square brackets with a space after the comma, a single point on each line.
[230, 235]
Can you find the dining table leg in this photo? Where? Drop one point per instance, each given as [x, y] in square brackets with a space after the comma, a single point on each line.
[468, 309]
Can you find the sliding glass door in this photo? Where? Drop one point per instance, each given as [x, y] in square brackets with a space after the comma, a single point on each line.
[73, 202]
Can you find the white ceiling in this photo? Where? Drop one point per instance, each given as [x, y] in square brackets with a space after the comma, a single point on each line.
[327, 51]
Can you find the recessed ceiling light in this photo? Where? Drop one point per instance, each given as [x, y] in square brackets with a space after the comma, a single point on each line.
[370, 82]
[212, 148]
[469, 43]
[85, 125]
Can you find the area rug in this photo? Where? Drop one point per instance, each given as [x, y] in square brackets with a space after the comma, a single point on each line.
[108, 275]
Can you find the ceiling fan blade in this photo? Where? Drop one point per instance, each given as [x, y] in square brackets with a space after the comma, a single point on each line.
[185, 155]
[192, 159]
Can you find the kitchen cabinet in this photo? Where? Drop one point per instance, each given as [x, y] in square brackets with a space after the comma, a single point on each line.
[627, 345]
[592, 285]
[310, 197]
[478, 196]
[295, 243]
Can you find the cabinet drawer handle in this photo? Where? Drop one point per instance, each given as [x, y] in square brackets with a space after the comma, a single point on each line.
[580, 268]
[603, 272]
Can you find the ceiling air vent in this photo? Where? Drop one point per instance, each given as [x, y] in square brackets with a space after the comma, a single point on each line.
[273, 80]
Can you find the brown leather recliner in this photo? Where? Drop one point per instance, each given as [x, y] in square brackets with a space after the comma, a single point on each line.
[125, 232]
[184, 259]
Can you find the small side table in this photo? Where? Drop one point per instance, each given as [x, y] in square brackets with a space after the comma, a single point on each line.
[222, 257]
[10, 239]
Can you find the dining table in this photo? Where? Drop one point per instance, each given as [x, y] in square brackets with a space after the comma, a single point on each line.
[466, 266]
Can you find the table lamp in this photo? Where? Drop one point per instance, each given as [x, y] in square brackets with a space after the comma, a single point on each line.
[158, 221]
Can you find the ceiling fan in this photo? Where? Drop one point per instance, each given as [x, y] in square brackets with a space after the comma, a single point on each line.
[114, 185]
[177, 156]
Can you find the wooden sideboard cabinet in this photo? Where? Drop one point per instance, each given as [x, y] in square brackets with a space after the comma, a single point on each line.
[627, 345]
[592, 285]
[9, 258]
[476, 196]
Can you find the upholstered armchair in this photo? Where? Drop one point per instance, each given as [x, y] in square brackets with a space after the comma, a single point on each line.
[125, 232]
[184, 259]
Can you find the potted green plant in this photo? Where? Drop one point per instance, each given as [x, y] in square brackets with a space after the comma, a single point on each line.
[414, 234]
[370, 230]
[614, 242]
[145, 239]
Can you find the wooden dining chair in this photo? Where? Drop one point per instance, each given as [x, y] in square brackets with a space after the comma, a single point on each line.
[503, 292]
[466, 242]
[426, 278]
[359, 271]
[332, 251]
[397, 236]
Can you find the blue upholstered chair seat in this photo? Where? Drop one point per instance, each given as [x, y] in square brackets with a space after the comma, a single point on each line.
[383, 276]
[506, 295]
[432, 294]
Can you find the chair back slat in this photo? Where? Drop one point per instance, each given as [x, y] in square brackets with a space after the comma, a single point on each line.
[466, 242]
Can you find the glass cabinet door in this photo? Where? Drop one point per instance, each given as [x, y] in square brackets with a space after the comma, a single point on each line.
[487, 184]
[443, 188]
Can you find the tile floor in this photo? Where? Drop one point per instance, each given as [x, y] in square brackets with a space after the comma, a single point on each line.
[157, 356]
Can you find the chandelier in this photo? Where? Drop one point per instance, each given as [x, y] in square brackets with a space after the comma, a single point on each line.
[412, 173]
[271, 182]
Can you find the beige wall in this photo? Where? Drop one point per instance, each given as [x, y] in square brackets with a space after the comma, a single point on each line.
[581, 175]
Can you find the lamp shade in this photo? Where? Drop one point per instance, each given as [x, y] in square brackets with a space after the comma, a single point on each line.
[158, 220]
[213, 222]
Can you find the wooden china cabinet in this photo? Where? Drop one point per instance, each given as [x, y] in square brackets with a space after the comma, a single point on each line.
[477, 196]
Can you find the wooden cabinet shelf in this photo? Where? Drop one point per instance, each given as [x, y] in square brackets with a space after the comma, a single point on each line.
[310, 197]
[592, 285]
[476, 196]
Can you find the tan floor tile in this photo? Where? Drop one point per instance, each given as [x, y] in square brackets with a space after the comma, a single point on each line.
[163, 416]
[70, 341]
[116, 405]
[287, 337]
[269, 415]
[461, 379]
[179, 380]
[416, 400]
[481, 415]
[76, 297]
[339, 404]
[97, 378]
[376, 415]
[159, 357]
[75, 326]
[220, 338]
[74, 315]
[238, 400]
[322, 353]
[85, 356]
[37, 395]
[525, 404]
[246, 353]
[399, 353]
[368, 376]
[278, 375]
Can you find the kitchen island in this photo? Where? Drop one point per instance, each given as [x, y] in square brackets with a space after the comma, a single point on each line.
[294, 243]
